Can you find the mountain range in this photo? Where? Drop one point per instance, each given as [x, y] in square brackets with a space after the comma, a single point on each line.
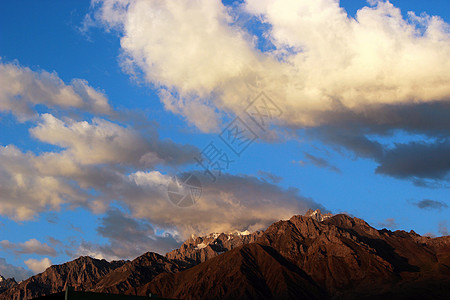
[315, 256]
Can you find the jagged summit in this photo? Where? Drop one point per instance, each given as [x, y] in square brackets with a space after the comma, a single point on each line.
[317, 215]
[198, 249]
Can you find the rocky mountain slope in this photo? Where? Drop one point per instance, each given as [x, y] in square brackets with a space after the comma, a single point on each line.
[252, 271]
[350, 259]
[317, 215]
[79, 273]
[316, 256]
[340, 258]
[199, 249]
[6, 283]
[136, 273]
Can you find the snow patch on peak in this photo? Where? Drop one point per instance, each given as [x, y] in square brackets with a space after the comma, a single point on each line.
[245, 232]
[201, 245]
[213, 235]
[240, 233]
[317, 215]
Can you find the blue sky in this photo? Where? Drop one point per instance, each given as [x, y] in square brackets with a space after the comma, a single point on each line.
[101, 104]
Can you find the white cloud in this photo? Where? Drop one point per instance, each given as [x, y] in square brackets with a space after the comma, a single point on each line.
[22, 89]
[102, 142]
[25, 191]
[32, 246]
[96, 143]
[33, 183]
[211, 51]
[231, 203]
[95, 155]
[38, 266]
[341, 78]
[322, 59]
[187, 47]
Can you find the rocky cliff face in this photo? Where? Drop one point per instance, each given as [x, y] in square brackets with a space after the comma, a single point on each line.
[252, 271]
[317, 215]
[136, 273]
[199, 249]
[6, 283]
[340, 258]
[306, 257]
[346, 256]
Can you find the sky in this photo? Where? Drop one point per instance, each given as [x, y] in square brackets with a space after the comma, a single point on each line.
[274, 106]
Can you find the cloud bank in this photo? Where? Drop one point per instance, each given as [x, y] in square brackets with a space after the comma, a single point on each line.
[93, 156]
[195, 48]
[347, 80]
[97, 162]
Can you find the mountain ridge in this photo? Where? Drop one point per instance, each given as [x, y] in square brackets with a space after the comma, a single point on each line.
[316, 256]
[78, 273]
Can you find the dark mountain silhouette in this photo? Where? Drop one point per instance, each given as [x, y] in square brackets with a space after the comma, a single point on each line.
[306, 257]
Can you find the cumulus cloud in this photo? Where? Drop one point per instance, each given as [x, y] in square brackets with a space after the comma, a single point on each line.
[23, 89]
[431, 204]
[344, 78]
[94, 156]
[32, 246]
[26, 190]
[357, 62]
[10, 271]
[195, 48]
[38, 266]
[99, 155]
[103, 142]
[186, 48]
[233, 202]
